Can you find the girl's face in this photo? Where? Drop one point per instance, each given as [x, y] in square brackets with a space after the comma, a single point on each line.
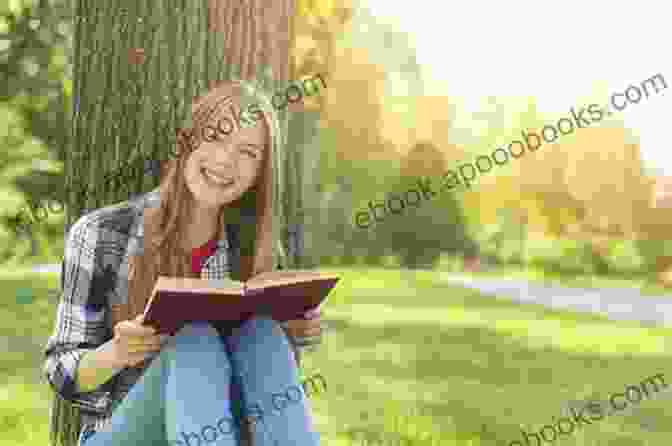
[224, 166]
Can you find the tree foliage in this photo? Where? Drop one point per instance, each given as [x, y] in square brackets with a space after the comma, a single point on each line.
[34, 92]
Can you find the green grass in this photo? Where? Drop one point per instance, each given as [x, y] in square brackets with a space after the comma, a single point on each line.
[414, 360]
[24, 328]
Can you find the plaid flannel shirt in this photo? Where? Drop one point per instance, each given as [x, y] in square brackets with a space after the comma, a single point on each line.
[94, 275]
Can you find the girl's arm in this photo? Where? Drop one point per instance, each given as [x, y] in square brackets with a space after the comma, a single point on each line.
[132, 344]
[81, 322]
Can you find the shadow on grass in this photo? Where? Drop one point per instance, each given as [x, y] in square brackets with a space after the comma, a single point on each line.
[535, 382]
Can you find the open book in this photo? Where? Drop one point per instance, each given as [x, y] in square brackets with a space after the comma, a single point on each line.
[281, 295]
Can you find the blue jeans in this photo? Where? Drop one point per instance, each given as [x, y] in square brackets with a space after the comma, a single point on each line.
[191, 393]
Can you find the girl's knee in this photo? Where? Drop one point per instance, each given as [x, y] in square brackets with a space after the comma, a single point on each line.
[198, 343]
[197, 333]
[200, 328]
[262, 324]
[262, 331]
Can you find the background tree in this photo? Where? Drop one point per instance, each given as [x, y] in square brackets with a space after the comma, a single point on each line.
[317, 25]
[33, 105]
[419, 235]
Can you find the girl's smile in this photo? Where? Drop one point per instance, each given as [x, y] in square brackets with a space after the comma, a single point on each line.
[216, 179]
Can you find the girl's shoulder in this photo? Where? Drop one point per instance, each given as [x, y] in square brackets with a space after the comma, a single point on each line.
[118, 218]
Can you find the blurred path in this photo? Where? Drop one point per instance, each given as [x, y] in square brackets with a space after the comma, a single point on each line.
[614, 303]
[51, 268]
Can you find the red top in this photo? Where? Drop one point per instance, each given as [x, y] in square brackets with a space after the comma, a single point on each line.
[198, 257]
[200, 254]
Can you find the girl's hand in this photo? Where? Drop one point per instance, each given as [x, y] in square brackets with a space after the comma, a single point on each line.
[662, 193]
[307, 327]
[301, 328]
[133, 342]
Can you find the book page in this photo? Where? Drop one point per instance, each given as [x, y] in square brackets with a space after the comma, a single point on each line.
[198, 285]
[287, 277]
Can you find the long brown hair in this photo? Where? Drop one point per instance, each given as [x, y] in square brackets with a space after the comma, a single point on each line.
[164, 227]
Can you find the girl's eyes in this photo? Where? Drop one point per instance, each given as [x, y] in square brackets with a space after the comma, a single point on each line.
[246, 148]
[250, 151]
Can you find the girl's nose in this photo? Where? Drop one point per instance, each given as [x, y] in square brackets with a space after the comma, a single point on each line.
[224, 156]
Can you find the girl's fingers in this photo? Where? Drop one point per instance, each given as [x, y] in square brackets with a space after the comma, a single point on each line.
[304, 332]
[140, 340]
[132, 329]
[135, 359]
[143, 344]
[302, 324]
[309, 327]
[310, 333]
[145, 341]
[148, 343]
[147, 348]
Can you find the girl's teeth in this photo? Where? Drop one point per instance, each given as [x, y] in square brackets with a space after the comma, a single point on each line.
[217, 179]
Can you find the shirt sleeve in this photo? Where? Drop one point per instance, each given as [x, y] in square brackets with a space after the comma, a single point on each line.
[80, 319]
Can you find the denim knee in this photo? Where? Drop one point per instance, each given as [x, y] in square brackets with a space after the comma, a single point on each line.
[198, 328]
[197, 333]
[260, 330]
[262, 325]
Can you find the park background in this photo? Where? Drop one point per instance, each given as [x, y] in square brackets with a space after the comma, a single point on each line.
[408, 357]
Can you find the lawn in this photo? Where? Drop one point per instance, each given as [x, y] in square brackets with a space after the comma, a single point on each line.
[413, 360]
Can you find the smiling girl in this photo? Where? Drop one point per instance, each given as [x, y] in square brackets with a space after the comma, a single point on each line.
[215, 214]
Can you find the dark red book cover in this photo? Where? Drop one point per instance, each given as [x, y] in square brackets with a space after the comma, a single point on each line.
[281, 295]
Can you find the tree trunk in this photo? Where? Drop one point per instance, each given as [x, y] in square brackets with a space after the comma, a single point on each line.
[126, 108]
